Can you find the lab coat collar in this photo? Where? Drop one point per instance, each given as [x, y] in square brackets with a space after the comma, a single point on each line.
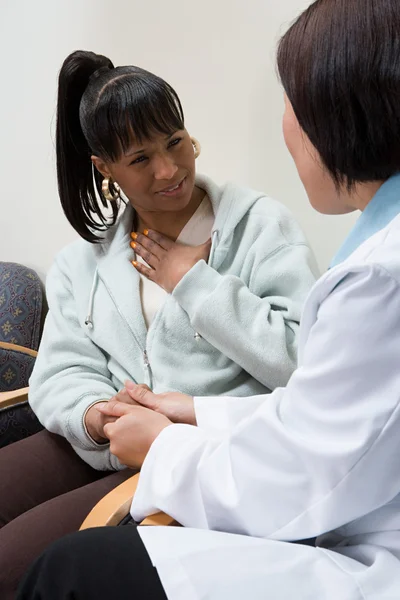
[382, 209]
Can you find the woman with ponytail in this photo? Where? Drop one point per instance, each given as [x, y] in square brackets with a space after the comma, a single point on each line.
[177, 284]
[318, 458]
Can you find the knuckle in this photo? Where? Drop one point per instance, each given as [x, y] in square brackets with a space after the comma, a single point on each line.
[123, 396]
[150, 245]
[143, 240]
[112, 404]
[157, 237]
[147, 256]
[142, 392]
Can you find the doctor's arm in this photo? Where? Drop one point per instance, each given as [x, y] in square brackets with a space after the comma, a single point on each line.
[314, 455]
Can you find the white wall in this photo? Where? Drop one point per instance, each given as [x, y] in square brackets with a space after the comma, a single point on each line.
[218, 54]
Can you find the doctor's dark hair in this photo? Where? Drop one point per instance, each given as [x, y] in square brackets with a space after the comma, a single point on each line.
[339, 64]
[100, 109]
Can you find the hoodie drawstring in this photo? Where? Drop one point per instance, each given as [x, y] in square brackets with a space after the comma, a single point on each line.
[89, 318]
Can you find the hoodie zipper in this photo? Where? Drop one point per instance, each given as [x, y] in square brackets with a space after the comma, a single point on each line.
[146, 362]
[148, 368]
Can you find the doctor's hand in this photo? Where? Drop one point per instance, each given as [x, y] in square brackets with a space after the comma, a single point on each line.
[168, 261]
[133, 432]
[179, 408]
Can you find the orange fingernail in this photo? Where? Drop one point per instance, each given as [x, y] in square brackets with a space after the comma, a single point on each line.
[146, 232]
[134, 263]
[133, 244]
[134, 235]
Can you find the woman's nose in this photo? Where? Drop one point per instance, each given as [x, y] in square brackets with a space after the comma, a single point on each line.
[164, 167]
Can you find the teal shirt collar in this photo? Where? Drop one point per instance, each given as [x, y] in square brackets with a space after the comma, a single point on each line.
[382, 209]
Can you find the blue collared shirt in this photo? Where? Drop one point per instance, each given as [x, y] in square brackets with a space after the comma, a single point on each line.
[382, 209]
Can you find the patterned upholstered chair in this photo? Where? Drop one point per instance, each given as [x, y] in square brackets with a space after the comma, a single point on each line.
[21, 308]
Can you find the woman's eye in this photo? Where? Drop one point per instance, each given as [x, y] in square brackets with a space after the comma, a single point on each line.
[174, 142]
[138, 160]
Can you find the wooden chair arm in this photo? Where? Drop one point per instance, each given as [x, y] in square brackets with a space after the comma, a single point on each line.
[17, 348]
[13, 398]
[115, 506]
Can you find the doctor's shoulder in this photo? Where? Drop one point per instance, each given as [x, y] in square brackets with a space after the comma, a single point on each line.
[371, 275]
[379, 253]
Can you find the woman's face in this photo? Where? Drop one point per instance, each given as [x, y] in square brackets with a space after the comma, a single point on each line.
[157, 175]
[319, 185]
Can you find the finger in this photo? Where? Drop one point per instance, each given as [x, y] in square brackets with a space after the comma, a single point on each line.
[142, 394]
[114, 408]
[150, 258]
[109, 429]
[99, 404]
[123, 396]
[107, 419]
[151, 245]
[143, 385]
[149, 273]
[160, 239]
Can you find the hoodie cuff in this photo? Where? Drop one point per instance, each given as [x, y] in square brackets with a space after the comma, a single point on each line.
[195, 287]
[99, 445]
[76, 427]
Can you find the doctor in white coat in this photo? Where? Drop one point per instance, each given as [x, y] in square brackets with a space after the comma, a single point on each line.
[321, 457]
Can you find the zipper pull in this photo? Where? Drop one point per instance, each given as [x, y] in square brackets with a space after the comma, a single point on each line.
[146, 359]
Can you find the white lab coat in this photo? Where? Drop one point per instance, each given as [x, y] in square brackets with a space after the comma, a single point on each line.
[321, 455]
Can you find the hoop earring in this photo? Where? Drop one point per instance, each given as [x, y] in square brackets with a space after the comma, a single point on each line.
[109, 195]
[196, 147]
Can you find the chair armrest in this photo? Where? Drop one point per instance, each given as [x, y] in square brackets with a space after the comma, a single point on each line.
[115, 506]
[13, 398]
[159, 519]
[17, 348]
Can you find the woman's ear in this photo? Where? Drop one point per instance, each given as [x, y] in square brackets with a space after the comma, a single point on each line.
[101, 166]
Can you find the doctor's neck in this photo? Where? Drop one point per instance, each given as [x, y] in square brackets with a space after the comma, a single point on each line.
[362, 194]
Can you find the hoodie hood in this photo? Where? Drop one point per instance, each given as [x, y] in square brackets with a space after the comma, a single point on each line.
[230, 204]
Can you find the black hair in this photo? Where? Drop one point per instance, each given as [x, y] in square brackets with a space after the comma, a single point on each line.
[99, 110]
[339, 64]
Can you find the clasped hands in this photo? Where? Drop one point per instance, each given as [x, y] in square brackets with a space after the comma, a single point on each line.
[135, 417]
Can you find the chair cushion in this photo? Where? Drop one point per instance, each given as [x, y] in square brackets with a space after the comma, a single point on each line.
[15, 369]
[21, 302]
[16, 423]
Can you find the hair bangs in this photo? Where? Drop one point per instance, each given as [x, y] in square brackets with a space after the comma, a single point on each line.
[134, 108]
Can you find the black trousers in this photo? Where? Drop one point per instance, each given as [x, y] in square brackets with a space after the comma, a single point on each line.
[105, 563]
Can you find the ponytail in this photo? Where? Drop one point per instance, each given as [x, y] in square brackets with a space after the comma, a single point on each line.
[78, 181]
[100, 108]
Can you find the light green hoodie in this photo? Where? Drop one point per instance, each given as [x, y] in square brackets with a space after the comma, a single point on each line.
[229, 328]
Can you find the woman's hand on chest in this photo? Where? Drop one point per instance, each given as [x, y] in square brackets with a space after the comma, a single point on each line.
[168, 261]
